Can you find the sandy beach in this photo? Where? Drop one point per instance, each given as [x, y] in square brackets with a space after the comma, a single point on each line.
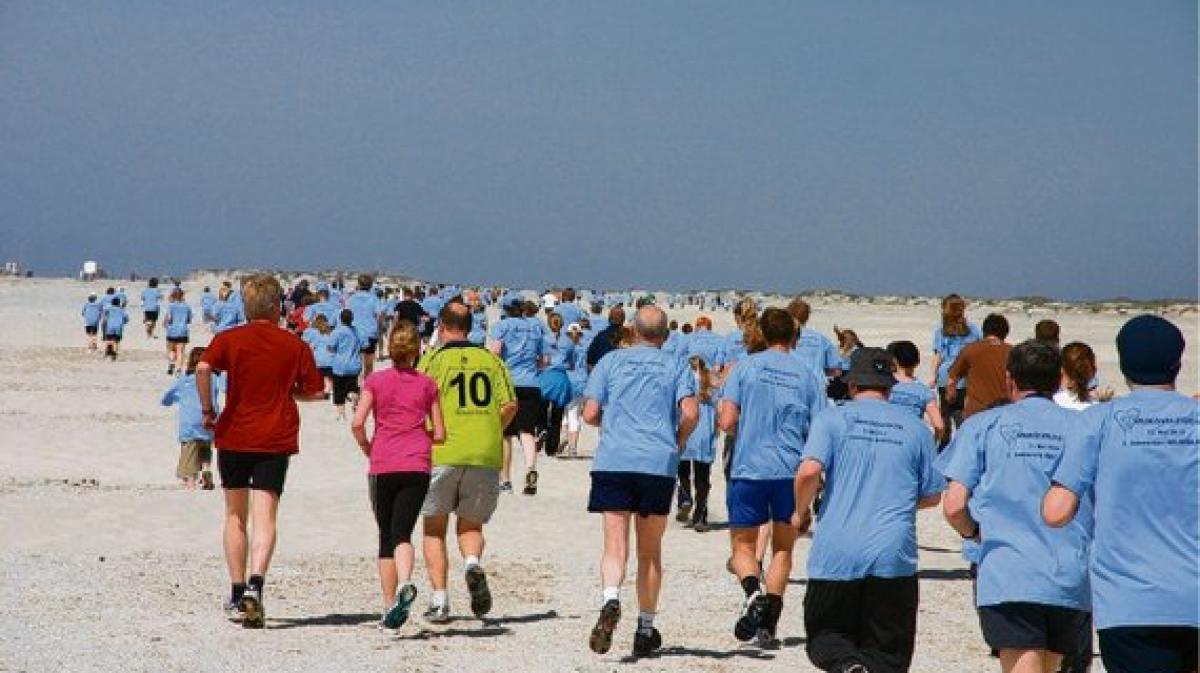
[108, 565]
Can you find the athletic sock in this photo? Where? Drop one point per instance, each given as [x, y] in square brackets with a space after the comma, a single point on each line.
[774, 611]
[471, 562]
[645, 622]
[612, 594]
[439, 598]
[236, 591]
[255, 582]
[751, 585]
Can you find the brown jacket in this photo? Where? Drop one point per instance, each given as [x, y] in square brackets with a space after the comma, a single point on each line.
[983, 364]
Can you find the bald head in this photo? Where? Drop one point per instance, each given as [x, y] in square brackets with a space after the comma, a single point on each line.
[651, 324]
[454, 320]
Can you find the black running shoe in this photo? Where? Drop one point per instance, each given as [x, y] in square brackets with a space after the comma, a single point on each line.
[254, 617]
[531, 480]
[753, 618]
[606, 623]
[683, 512]
[481, 597]
[645, 644]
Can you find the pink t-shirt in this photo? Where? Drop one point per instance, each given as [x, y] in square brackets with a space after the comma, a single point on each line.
[402, 399]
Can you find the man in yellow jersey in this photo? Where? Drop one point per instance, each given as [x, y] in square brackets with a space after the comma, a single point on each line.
[478, 402]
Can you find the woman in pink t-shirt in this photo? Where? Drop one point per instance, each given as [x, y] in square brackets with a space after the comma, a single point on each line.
[405, 405]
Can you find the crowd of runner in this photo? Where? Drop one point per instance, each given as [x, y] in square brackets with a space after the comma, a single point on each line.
[1078, 509]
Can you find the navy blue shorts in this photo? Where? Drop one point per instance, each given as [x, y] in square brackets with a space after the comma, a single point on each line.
[646, 494]
[753, 502]
[1132, 649]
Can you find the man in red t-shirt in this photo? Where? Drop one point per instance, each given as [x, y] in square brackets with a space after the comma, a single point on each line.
[257, 432]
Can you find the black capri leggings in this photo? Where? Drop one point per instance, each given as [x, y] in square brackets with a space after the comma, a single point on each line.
[343, 386]
[396, 498]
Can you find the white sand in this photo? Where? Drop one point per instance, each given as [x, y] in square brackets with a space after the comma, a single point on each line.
[127, 574]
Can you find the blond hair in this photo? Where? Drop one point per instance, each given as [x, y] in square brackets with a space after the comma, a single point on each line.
[404, 343]
[261, 294]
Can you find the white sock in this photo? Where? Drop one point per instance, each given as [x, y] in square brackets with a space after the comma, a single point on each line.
[471, 562]
[439, 598]
[645, 621]
[612, 594]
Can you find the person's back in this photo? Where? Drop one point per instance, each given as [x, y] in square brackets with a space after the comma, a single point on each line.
[708, 346]
[189, 417]
[91, 312]
[115, 319]
[878, 463]
[983, 363]
[816, 351]
[778, 398]
[474, 385]
[365, 306]
[319, 343]
[401, 398]
[179, 316]
[523, 342]
[912, 395]
[346, 346]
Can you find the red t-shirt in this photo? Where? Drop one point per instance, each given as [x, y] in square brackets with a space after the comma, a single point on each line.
[265, 366]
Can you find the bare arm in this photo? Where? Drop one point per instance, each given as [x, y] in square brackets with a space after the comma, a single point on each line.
[592, 414]
[689, 417]
[935, 364]
[507, 413]
[807, 483]
[358, 427]
[954, 506]
[934, 413]
[439, 423]
[727, 416]
[1059, 506]
[497, 348]
[204, 388]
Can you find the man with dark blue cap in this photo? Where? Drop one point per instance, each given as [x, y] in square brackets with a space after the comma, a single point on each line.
[1139, 459]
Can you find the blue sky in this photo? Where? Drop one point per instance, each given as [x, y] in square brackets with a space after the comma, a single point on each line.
[1016, 148]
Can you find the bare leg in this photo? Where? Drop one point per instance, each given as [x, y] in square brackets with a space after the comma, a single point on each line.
[744, 560]
[780, 568]
[264, 510]
[650, 531]
[388, 580]
[1028, 661]
[616, 549]
[529, 444]
[237, 507]
[470, 537]
[434, 528]
[506, 466]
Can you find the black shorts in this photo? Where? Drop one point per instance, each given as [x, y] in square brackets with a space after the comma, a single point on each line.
[343, 386]
[645, 494]
[529, 411]
[327, 372]
[396, 499]
[113, 337]
[252, 469]
[91, 329]
[870, 621]
[1034, 626]
[1133, 649]
[177, 340]
[150, 316]
[370, 346]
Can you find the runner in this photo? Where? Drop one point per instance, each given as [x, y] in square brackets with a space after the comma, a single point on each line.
[948, 340]
[177, 320]
[696, 462]
[577, 375]
[568, 308]
[911, 393]
[982, 363]
[402, 400]
[114, 318]
[367, 312]
[644, 401]
[267, 369]
[813, 348]
[520, 342]
[768, 403]
[605, 340]
[195, 440]
[324, 306]
[1138, 457]
[151, 298]
[208, 302]
[91, 312]
[477, 403]
[1032, 589]
[860, 609]
[227, 312]
[554, 383]
[708, 346]
[347, 363]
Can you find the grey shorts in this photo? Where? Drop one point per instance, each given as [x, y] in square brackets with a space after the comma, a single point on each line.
[472, 493]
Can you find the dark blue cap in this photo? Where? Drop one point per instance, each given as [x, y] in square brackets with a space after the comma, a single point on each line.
[1151, 350]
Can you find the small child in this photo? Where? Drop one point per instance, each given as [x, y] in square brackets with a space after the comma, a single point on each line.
[195, 441]
[696, 461]
[115, 318]
[318, 336]
[346, 348]
[911, 393]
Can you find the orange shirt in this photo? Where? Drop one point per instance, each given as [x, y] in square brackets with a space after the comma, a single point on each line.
[265, 366]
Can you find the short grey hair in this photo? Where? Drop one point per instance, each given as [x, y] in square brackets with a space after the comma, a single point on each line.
[651, 323]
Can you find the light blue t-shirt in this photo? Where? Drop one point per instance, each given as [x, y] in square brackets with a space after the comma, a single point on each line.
[878, 463]
[523, 341]
[912, 395]
[327, 308]
[179, 316]
[709, 346]
[1139, 457]
[735, 346]
[366, 308]
[207, 301]
[227, 315]
[479, 328]
[347, 351]
[561, 351]
[570, 312]
[948, 348]
[115, 319]
[777, 398]
[433, 306]
[970, 548]
[701, 444]
[320, 345]
[91, 313]
[639, 389]
[190, 421]
[1004, 457]
[151, 297]
[817, 351]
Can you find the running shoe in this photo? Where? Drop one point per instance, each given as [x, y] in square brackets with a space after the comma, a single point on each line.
[645, 644]
[481, 597]
[683, 512]
[397, 615]
[606, 623]
[170, 370]
[252, 606]
[438, 614]
[531, 479]
[753, 617]
[233, 611]
[766, 640]
[506, 487]
[206, 480]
